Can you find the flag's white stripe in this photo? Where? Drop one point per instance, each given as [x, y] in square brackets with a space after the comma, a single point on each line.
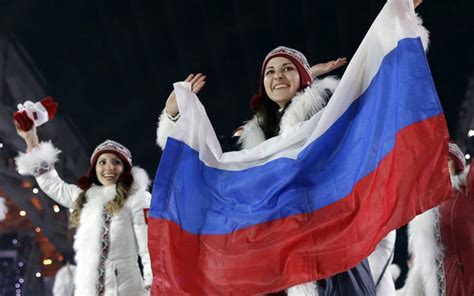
[195, 129]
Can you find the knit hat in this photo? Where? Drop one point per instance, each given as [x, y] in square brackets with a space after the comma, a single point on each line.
[457, 156]
[115, 148]
[297, 58]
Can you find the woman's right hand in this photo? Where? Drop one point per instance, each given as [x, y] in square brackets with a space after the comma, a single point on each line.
[197, 83]
[30, 137]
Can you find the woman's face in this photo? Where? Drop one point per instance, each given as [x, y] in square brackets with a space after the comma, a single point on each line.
[108, 168]
[281, 80]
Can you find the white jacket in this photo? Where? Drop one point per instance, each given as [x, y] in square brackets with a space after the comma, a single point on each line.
[127, 232]
[64, 281]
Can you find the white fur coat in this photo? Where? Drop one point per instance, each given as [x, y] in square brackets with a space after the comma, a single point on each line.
[127, 230]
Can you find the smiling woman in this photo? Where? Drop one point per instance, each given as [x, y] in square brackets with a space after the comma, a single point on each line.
[289, 93]
[281, 81]
[108, 168]
[108, 209]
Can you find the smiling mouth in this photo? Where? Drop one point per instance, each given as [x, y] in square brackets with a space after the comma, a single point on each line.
[280, 86]
[109, 176]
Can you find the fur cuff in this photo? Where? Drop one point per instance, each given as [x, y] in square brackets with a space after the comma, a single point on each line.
[38, 161]
[252, 134]
[424, 33]
[165, 126]
[141, 181]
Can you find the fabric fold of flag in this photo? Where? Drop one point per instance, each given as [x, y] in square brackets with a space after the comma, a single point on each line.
[312, 202]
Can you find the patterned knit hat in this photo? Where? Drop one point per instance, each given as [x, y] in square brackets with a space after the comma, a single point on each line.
[115, 148]
[457, 156]
[297, 58]
[110, 146]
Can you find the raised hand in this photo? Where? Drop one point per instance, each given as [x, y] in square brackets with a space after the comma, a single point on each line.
[197, 83]
[30, 137]
[323, 68]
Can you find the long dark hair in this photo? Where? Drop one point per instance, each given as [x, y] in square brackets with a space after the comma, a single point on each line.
[269, 117]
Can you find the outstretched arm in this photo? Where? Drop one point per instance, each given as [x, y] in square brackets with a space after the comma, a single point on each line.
[170, 114]
[39, 162]
[197, 83]
[323, 68]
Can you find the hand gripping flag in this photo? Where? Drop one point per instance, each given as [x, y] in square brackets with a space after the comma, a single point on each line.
[314, 201]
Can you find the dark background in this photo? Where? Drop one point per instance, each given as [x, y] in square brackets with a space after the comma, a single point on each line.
[111, 65]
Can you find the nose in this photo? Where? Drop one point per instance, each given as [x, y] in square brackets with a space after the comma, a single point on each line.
[109, 166]
[278, 75]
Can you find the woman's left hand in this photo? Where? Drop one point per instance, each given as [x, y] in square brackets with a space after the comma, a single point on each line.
[323, 68]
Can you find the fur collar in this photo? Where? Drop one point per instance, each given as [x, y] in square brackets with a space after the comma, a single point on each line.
[141, 181]
[302, 107]
[425, 249]
[87, 243]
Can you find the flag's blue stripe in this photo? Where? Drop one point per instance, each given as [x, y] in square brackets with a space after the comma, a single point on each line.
[205, 200]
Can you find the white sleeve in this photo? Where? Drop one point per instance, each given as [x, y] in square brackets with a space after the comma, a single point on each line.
[39, 162]
[140, 206]
[165, 126]
[62, 192]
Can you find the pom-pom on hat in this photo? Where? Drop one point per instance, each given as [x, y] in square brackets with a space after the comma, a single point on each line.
[113, 147]
[297, 58]
[456, 154]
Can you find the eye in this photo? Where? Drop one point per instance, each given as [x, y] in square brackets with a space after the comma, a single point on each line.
[117, 162]
[288, 68]
[269, 72]
[102, 162]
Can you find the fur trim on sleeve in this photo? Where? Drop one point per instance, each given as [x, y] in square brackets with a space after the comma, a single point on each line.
[165, 126]
[37, 161]
[308, 102]
[141, 181]
[308, 289]
[3, 209]
[424, 33]
[252, 134]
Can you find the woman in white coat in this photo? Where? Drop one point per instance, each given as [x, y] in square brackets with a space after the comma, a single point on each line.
[109, 208]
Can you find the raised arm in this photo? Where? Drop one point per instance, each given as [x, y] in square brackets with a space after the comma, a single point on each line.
[38, 161]
[171, 112]
[323, 68]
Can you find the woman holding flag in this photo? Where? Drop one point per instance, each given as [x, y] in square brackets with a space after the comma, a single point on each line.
[289, 94]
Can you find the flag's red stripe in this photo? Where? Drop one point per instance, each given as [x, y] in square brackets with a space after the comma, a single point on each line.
[412, 178]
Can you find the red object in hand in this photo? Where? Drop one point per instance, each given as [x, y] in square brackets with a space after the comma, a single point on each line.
[23, 121]
[31, 114]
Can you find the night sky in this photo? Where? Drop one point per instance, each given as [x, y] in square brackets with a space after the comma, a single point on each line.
[111, 64]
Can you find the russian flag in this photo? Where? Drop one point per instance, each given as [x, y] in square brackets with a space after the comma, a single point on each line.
[312, 202]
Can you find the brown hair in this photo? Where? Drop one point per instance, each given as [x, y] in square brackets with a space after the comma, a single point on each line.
[112, 207]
